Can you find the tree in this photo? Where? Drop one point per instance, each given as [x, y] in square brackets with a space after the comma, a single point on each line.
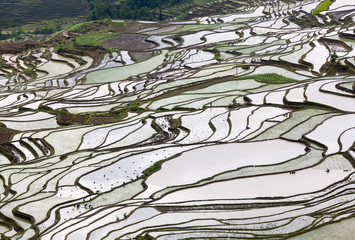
[129, 9]
[333, 57]
[160, 15]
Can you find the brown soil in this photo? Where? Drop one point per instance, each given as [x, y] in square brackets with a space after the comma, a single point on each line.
[138, 56]
[69, 119]
[16, 47]
[128, 42]
[332, 69]
[6, 134]
[79, 119]
[131, 26]
[66, 117]
[347, 35]
[335, 45]
[96, 120]
[228, 6]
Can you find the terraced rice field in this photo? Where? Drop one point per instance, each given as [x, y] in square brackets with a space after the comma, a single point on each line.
[20, 12]
[238, 126]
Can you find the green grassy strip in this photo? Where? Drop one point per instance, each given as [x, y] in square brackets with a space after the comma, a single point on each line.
[93, 39]
[79, 25]
[3, 63]
[202, 2]
[152, 169]
[145, 237]
[116, 24]
[78, 118]
[47, 109]
[29, 69]
[322, 7]
[122, 112]
[269, 78]
[52, 36]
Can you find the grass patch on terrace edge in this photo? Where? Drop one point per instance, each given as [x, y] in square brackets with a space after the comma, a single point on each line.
[29, 69]
[64, 117]
[93, 39]
[145, 237]
[157, 166]
[269, 78]
[78, 26]
[202, 2]
[52, 36]
[116, 24]
[131, 107]
[3, 63]
[322, 7]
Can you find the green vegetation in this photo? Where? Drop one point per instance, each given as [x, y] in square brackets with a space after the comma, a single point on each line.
[93, 39]
[5, 238]
[48, 17]
[81, 38]
[333, 57]
[269, 78]
[20, 12]
[145, 237]
[138, 9]
[64, 117]
[155, 167]
[133, 9]
[118, 114]
[123, 112]
[97, 26]
[134, 107]
[178, 108]
[52, 36]
[116, 24]
[78, 26]
[131, 107]
[3, 63]
[29, 69]
[306, 21]
[201, 2]
[13, 34]
[322, 7]
[47, 30]
[47, 109]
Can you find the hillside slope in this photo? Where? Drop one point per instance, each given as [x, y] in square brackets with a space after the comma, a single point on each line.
[19, 12]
